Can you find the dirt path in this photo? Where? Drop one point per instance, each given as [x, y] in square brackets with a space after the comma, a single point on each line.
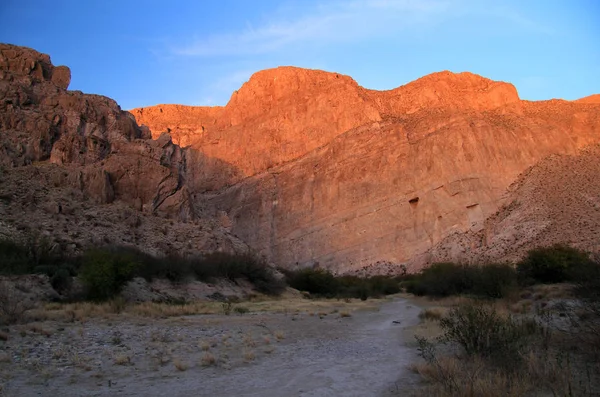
[366, 359]
[302, 354]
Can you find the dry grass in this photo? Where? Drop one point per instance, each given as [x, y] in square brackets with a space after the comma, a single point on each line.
[345, 313]
[279, 335]
[180, 364]
[548, 364]
[84, 311]
[454, 376]
[39, 329]
[122, 359]
[208, 359]
[249, 341]
[432, 313]
[248, 355]
[204, 345]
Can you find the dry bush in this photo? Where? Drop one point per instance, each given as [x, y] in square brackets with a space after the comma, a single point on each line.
[12, 306]
[248, 355]
[204, 345]
[503, 356]
[249, 341]
[431, 314]
[38, 329]
[180, 365]
[208, 359]
[122, 359]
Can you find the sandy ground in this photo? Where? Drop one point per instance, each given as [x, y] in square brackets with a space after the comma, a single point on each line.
[332, 352]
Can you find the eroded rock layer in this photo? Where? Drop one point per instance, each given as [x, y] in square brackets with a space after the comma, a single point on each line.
[76, 170]
[345, 177]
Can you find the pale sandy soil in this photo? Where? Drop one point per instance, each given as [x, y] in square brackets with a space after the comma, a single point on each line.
[309, 352]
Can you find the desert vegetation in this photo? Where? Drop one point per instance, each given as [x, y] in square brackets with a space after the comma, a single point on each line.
[510, 330]
[322, 283]
[105, 270]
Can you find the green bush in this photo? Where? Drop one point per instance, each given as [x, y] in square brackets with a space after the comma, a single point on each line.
[493, 280]
[481, 331]
[316, 281]
[320, 282]
[384, 285]
[441, 279]
[445, 279]
[14, 258]
[105, 271]
[555, 264]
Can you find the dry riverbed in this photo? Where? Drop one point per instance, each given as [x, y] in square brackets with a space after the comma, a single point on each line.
[286, 348]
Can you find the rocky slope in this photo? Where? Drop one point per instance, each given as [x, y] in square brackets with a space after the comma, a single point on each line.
[345, 177]
[76, 170]
[555, 201]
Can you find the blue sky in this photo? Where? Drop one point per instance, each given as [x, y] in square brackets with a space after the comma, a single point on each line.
[198, 52]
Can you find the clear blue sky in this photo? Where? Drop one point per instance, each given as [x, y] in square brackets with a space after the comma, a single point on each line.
[198, 52]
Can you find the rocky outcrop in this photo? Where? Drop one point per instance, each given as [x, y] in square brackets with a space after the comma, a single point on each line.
[73, 164]
[41, 121]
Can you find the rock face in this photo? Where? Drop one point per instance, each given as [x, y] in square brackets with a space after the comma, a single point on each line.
[345, 177]
[40, 120]
[281, 114]
[555, 201]
[77, 170]
[305, 166]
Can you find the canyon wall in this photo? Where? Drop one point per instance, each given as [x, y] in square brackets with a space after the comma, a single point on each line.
[344, 177]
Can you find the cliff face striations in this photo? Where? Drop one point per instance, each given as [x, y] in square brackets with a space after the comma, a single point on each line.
[335, 174]
[305, 166]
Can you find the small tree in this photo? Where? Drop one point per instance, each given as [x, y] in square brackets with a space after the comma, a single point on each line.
[554, 264]
[104, 272]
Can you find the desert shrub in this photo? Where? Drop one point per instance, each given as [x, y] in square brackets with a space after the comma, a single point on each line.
[384, 285]
[554, 264]
[171, 267]
[441, 279]
[493, 280]
[105, 271]
[585, 320]
[445, 279]
[316, 281]
[239, 266]
[321, 282]
[12, 306]
[481, 330]
[14, 258]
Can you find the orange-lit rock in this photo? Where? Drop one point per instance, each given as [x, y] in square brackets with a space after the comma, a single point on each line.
[345, 177]
[77, 171]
